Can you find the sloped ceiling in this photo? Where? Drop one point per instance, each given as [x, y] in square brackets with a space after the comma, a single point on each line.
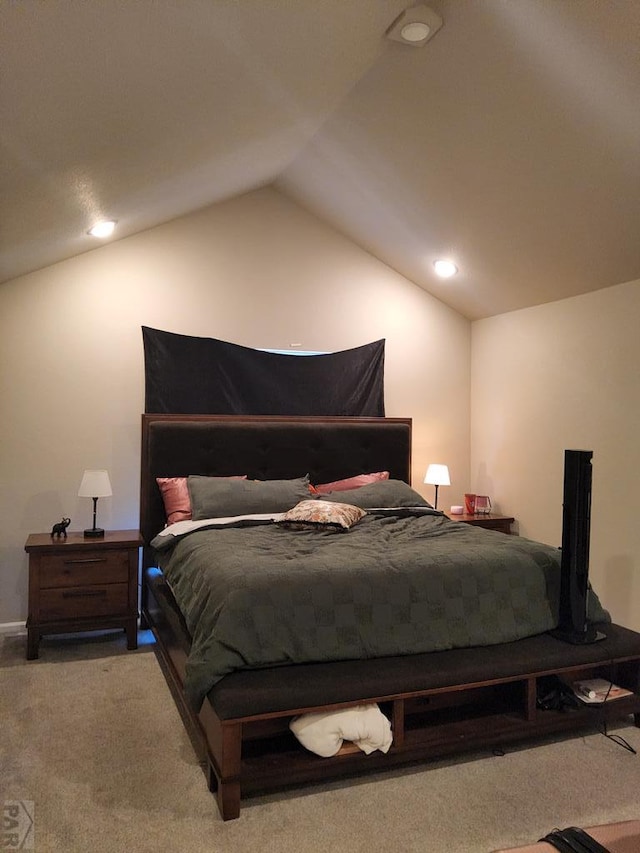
[510, 142]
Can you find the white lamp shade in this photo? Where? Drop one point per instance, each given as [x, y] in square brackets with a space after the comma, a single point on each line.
[95, 484]
[437, 475]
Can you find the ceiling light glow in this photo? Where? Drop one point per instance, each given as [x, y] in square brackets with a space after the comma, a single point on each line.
[416, 31]
[102, 229]
[445, 269]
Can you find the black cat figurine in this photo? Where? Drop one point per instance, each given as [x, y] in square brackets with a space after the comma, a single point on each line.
[60, 529]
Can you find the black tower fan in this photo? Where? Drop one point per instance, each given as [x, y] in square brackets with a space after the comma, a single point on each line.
[573, 626]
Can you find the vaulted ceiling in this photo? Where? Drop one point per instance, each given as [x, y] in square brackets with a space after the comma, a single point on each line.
[509, 142]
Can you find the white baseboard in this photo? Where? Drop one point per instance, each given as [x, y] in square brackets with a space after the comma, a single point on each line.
[13, 628]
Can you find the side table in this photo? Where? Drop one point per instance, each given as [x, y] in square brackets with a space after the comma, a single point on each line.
[78, 584]
[490, 521]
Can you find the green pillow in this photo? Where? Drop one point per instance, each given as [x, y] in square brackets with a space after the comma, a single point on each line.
[384, 493]
[212, 497]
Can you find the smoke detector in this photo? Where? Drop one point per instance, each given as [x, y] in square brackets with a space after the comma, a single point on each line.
[415, 26]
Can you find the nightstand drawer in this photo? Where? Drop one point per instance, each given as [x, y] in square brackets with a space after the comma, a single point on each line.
[79, 602]
[77, 568]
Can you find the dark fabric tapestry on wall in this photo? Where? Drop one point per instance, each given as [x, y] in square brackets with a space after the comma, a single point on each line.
[190, 375]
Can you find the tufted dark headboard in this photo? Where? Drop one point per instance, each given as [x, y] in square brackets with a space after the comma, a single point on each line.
[265, 447]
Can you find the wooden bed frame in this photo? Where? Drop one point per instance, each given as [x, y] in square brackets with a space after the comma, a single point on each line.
[438, 703]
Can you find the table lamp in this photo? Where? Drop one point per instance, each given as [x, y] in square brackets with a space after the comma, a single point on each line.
[437, 475]
[95, 484]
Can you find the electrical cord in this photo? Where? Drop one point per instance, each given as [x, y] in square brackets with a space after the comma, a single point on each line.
[617, 739]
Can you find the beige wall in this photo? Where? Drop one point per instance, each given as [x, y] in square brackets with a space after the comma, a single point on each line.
[258, 271]
[558, 376]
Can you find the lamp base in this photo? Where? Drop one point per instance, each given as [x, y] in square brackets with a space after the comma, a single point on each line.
[94, 533]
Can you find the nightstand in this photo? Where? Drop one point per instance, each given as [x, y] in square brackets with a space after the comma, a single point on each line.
[78, 584]
[490, 521]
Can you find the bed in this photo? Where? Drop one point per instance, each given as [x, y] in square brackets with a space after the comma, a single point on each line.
[304, 620]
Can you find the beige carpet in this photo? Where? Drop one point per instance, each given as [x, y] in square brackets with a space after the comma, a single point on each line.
[90, 734]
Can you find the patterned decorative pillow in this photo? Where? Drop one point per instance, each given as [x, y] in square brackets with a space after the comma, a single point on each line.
[350, 483]
[323, 515]
[175, 496]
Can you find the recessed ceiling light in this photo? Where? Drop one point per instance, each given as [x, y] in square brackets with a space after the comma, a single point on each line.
[445, 269]
[102, 229]
[415, 26]
[416, 31]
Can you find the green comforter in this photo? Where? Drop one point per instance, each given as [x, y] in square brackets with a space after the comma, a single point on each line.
[392, 585]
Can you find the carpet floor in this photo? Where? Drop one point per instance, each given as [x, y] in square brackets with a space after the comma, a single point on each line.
[90, 736]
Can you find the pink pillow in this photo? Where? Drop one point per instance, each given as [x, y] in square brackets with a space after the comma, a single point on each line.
[175, 494]
[350, 483]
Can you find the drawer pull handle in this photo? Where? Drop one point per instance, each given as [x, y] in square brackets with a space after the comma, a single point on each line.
[83, 562]
[85, 593]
